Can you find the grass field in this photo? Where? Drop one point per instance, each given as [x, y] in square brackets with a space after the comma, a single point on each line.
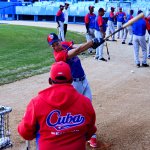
[24, 51]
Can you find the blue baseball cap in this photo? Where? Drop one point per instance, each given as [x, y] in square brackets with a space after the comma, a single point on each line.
[52, 38]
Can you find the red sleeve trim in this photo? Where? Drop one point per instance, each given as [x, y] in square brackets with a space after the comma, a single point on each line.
[59, 13]
[100, 21]
[111, 14]
[86, 19]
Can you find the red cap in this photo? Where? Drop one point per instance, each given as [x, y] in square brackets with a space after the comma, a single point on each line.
[60, 72]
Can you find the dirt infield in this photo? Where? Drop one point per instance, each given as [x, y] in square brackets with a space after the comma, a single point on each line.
[120, 92]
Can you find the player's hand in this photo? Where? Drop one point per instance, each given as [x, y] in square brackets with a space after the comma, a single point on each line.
[97, 42]
[58, 26]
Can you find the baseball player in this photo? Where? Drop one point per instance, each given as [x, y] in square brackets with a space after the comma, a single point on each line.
[60, 21]
[148, 29]
[100, 29]
[65, 51]
[68, 118]
[120, 20]
[139, 30]
[110, 23]
[128, 29]
[65, 11]
[89, 20]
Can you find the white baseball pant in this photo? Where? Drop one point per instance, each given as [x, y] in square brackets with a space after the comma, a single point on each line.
[89, 36]
[139, 41]
[99, 50]
[126, 31]
[119, 25]
[111, 29]
[61, 31]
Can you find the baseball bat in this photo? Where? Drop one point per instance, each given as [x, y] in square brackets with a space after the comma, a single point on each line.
[27, 145]
[107, 51]
[141, 15]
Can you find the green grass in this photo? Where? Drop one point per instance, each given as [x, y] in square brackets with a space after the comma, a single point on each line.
[24, 51]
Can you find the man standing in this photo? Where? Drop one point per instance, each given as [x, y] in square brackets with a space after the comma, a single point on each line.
[68, 118]
[128, 29]
[139, 30]
[89, 24]
[60, 21]
[66, 18]
[110, 23]
[100, 29]
[120, 20]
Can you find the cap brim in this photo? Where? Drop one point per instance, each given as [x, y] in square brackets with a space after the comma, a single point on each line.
[67, 4]
[51, 43]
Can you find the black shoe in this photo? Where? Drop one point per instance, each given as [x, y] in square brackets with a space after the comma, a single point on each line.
[145, 65]
[96, 57]
[114, 40]
[90, 52]
[138, 65]
[130, 44]
[123, 43]
[107, 40]
[103, 59]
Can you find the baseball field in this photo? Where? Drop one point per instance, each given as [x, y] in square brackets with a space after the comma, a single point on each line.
[120, 92]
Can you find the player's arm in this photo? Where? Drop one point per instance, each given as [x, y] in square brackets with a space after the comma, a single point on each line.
[100, 24]
[57, 17]
[27, 127]
[86, 20]
[94, 43]
[112, 15]
[91, 128]
[79, 49]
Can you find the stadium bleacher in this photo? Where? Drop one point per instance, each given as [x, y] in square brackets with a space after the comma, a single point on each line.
[76, 10]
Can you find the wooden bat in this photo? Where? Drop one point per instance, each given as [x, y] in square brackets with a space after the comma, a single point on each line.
[107, 51]
[141, 15]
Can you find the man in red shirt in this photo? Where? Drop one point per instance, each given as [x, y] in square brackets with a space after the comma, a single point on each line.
[100, 31]
[60, 21]
[110, 23]
[89, 20]
[128, 29]
[59, 117]
[120, 15]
